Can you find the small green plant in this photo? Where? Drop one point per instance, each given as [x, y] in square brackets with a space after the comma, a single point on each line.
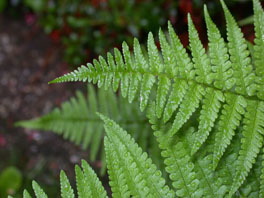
[207, 113]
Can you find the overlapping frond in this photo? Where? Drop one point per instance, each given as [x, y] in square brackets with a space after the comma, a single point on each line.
[77, 121]
[177, 160]
[141, 174]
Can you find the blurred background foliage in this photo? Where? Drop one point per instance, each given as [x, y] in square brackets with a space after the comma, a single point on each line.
[88, 28]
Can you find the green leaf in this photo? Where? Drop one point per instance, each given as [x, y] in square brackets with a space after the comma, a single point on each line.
[209, 113]
[239, 56]
[116, 173]
[38, 190]
[218, 53]
[182, 58]
[251, 142]
[187, 107]
[259, 46]
[229, 121]
[200, 59]
[149, 178]
[26, 194]
[66, 189]
[82, 184]
[94, 184]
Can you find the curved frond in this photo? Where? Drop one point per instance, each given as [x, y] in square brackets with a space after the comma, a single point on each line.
[77, 121]
[133, 157]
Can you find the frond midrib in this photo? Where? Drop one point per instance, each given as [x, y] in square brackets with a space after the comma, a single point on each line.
[176, 160]
[171, 77]
[87, 119]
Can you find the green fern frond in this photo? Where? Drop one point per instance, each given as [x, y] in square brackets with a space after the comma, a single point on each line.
[209, 113]
[262, 177]
[116, 173]
[81, 183]
[259, 45]
[66, 189]
[251, 142]
[251, 187]
[26, 194]
[134, 158]
[78, 122]
[200, 58]
[190, 103]
[38, 190]
[94, 184]
[88, 185]
[218, 53]
[229, 121]
[177, 160]
[239, 55]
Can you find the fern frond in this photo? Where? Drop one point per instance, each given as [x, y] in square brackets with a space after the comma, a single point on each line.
[229, 121]
[251, 187]
[78, 122]
[182, 58]
[190, 103]
[177, 94]
[94, 184]
[88, 185]
[251, 142]
[262, 177]
[218, 53]
[26, 194]
[81, 183]
[259, 45]
[209, 113]
[239, 55]
[177, 160]
[38, 190]
[200, 59]
[66, 189]
[116, 173]
[128, 149]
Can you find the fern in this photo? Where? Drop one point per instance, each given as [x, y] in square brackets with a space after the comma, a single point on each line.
[140, 178]
[206, 110]
[78, 122]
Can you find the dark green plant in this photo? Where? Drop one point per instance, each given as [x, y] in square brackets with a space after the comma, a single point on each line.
[207, 114]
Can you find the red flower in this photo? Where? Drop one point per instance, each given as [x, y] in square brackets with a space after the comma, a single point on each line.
[55, 36]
